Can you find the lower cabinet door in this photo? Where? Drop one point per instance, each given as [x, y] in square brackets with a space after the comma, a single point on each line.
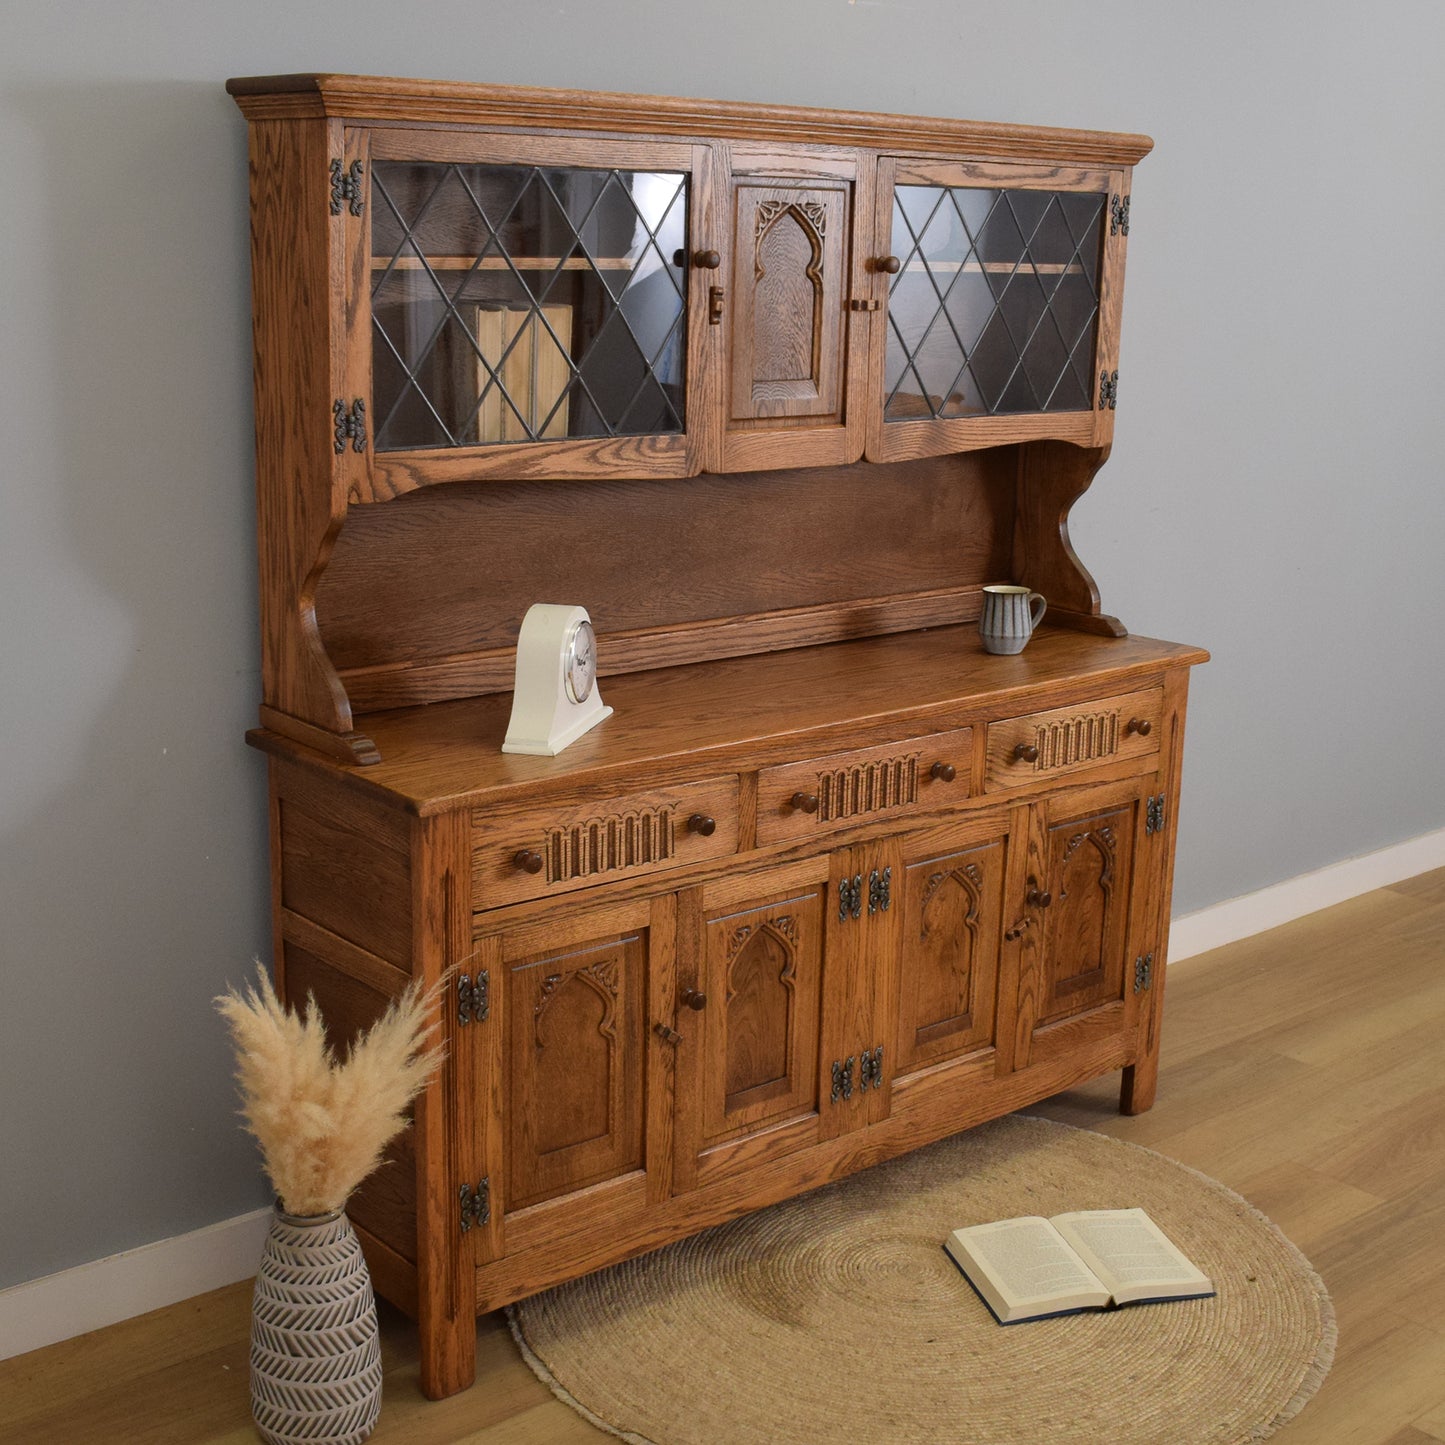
[749, 964]
[952, 900]
[1081, 901]
[574, 1000]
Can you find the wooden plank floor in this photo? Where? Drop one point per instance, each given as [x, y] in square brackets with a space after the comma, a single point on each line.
[1304, 1068]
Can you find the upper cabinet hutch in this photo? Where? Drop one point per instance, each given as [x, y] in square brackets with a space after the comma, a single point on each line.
[772, 393]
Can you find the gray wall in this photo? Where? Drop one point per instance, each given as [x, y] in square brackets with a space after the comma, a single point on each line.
[1275, 492]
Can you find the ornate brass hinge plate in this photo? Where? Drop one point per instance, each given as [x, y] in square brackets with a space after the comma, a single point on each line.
[475, 1204]
[1143, 972]
[1108, 390]
[870, 1069]
[842, 1079]
[349, 426]
[850, 898]
[1119, 216]
[346, 187]
[880, 887]
[1154, 815]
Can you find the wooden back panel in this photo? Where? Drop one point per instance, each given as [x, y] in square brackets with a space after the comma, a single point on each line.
[424, 595]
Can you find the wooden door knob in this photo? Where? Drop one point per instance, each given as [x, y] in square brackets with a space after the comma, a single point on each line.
[1026, 753]
[1140, 725]
[528, 861]
[944, 772]
[701, 824]
[1036, 898]
[693, 999]
[706, 260]
[805, 802]
[890, 265]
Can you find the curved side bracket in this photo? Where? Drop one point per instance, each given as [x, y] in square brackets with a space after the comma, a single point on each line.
[1052, 476]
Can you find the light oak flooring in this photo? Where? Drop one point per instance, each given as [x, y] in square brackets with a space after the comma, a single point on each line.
[1304, 1067]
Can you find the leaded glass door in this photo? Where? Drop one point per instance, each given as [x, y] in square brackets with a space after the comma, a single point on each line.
[528, 308]
[1002, 310]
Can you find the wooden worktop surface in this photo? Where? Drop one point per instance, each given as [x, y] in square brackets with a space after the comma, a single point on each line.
[740, 711]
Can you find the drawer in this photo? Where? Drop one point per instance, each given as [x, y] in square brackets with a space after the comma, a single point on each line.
[536, 852]
[1041, 745]
[798, 800]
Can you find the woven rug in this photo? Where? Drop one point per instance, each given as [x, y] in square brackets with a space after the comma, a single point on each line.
[837, 1317]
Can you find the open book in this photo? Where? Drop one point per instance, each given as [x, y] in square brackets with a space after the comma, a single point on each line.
[1028, 1268]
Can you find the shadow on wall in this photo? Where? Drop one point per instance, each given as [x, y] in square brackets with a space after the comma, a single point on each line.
[132, 842]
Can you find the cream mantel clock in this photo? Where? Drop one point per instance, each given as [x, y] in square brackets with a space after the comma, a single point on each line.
[555, 699]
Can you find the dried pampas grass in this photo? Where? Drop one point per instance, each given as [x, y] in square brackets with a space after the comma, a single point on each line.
[322, 1124]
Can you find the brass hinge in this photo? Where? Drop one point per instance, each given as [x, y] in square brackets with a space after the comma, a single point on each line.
[864, 303]
[1143, 972]
[1154, 815]
[1108, 390]
[349, 426]
[474, 1004]
[346, 186]
[1119, 216]
[880, 886]
[476, 1204]
[842, 1079]
[870, 1069]
[850, 898]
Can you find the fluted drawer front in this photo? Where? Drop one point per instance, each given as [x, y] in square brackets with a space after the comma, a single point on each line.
[916, 775]
[539, 851]
[1043, 745]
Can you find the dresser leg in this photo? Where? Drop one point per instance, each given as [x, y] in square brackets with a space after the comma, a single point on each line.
[448, 1355]
[1136, 1092]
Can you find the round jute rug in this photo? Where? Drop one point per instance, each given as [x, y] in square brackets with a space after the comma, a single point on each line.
[837, 1317]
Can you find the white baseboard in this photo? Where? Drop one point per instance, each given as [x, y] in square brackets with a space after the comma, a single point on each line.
[106, 1291]
[1253, 913]
[92, 1296]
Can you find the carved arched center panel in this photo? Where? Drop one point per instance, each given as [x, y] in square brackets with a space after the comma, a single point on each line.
[1084, 897]
[787, 266]
[575, 1039]
[759, 1008]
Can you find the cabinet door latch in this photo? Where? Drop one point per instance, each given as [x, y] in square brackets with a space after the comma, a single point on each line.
[716, 295]
[864, 303]
[346, 187]
[474, 1004]
[349, 426]
[476, 1204]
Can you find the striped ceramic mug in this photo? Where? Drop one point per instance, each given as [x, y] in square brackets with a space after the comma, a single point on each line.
[1009, 617]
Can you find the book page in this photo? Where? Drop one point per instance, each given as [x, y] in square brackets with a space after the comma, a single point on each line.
[1131, 1254]
[1019, 1263]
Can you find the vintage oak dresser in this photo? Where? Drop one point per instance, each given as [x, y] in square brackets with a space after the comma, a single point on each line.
[772, 393]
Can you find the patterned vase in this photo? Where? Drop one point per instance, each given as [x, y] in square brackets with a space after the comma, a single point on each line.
[315, 1348]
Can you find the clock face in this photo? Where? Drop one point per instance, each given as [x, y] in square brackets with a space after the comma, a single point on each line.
[580, 662]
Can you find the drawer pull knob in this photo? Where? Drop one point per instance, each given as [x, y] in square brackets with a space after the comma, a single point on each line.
[528, 861]
[701, 824]
[944, 772]
[805, 802]
[1140, 725]
[693, 999]
[889, 265]
[1026, 753]
[1037, 899]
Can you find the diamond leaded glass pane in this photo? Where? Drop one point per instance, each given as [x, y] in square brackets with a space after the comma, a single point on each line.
[996, 307]
[525, 303]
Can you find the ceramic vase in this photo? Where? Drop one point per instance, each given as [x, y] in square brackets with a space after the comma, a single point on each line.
[315, 1347]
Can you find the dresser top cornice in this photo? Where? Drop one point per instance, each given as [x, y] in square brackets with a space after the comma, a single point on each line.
[385, 99]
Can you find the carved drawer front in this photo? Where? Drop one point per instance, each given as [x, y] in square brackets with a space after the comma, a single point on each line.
[539, 851]
[917, 775]
[1040, 745]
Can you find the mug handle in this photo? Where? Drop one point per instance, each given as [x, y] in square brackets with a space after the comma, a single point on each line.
[1036, 617]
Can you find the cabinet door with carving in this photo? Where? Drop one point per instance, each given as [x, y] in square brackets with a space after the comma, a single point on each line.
[782, 305]
[749, 972]
[952, 901]
[1077, 925]
[573, 997]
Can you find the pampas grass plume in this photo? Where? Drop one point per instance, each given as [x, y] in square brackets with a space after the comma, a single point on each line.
[322, 1123]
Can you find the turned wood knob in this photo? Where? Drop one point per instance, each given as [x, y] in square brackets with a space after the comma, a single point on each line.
[528, 861]
[693, 999]
[706, 260]
[889, 264]
[1026, 753]
[1037, 899]
[702, 824]
[944, 772]
[805, 802]
[1140, 725]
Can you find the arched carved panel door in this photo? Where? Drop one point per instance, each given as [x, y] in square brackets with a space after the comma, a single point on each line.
[753, 950]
